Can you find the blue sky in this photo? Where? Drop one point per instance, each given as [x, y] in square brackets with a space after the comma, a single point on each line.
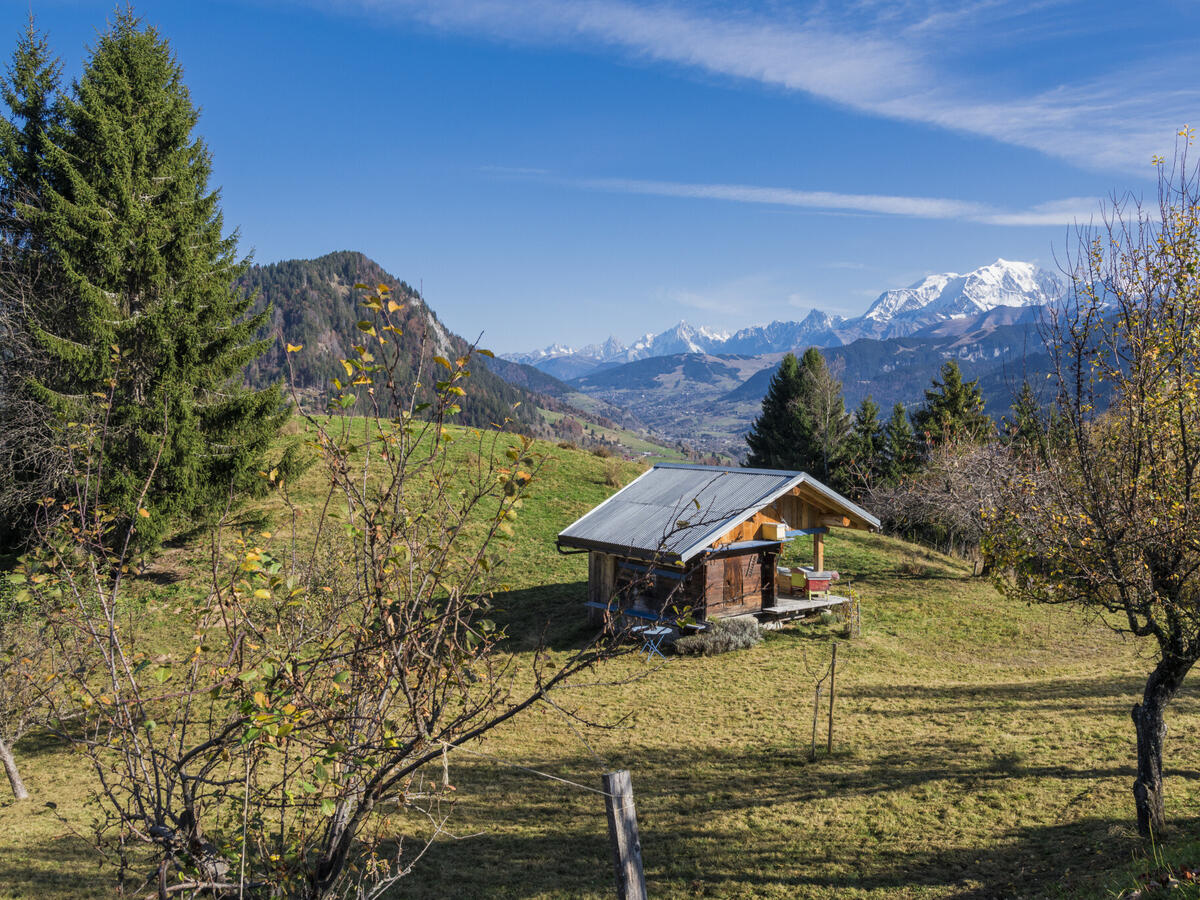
[562, 171]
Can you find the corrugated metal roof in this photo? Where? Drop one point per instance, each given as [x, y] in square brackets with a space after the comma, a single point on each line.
[676, 510]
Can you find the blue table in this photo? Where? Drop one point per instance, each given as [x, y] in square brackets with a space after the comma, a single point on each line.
[652, 637]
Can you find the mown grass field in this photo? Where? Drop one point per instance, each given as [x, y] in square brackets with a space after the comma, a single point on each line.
[982, 749]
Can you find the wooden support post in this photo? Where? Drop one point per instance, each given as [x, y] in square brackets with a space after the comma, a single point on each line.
[819, 552]
[832, 675]
[816, 708]
[623, 832]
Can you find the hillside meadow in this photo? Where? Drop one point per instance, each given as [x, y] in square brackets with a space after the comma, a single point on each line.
[981, 749]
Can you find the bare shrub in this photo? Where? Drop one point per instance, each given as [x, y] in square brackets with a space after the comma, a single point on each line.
[942, 504]
[721, 636]
[614, 477]
[277, 743]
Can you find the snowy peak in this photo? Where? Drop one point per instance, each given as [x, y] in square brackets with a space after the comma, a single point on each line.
[683, 338]
[950, 295]
[818, 328]
[933, 300]
[551, 352]
[898, 302]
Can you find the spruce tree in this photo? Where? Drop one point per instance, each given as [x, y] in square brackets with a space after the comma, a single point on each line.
[30, 93]
[899, 447]
[153, 323]
[953, 410]
[824, 422]
[803, 424]
[1026, 428]
[29, 462]
[775, 433]
[865, 447]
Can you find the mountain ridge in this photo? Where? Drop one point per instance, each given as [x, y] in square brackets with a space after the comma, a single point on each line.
[897, 312]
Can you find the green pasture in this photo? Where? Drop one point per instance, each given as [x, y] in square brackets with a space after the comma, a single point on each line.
[981, 748]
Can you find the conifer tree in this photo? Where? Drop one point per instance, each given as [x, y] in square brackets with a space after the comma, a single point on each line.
[30, 92]
[1026, 426]
[152, 322]
[775, 433]
[865, 447]
[953, 409]
[899, 447]
[29, 462]
[804, 422]
[824, 422]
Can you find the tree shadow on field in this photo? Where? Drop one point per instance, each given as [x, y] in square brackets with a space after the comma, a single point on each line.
[549, 614]
[1105, 697]
[717, 823]
[66, 866]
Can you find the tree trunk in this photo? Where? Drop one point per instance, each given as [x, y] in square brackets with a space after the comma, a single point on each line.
[10, 769]
[1162, 685]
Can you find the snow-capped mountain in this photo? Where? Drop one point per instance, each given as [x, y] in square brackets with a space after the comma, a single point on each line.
[895, 313]
[937, 298]
[817, 329]
[683, 338]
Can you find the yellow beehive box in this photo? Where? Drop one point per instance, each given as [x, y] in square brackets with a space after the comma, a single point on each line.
[774, 531]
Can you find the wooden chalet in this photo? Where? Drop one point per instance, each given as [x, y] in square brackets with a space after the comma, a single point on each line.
[706, 539]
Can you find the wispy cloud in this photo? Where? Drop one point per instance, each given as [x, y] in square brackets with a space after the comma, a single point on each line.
[747, 293]
[882, 59]
[1059, 212]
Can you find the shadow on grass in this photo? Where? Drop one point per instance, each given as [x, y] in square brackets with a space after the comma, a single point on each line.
[1086, 691]
[702, 818]
[550, 614]
[63, 867]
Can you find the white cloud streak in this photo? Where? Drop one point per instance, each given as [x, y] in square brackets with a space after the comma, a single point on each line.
[1059, 212]
[881, 59]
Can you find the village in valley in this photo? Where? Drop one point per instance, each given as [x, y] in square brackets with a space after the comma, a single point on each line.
[318, 580]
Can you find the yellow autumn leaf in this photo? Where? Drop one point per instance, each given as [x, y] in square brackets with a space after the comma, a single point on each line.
[294, 348]
[143, 513]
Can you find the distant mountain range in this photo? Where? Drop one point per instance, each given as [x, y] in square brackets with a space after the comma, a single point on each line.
[932, 301]
[708, 401]
[690, 387]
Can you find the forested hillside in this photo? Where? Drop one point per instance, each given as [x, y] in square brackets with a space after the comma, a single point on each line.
[313, 303]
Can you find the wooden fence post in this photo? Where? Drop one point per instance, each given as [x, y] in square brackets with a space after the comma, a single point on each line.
[816, 708]
[832, 675]
[623, 832]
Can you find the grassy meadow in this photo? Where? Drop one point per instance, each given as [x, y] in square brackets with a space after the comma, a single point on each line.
[982, 748]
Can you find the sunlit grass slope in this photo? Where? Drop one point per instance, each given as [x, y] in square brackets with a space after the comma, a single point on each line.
[981, 749]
